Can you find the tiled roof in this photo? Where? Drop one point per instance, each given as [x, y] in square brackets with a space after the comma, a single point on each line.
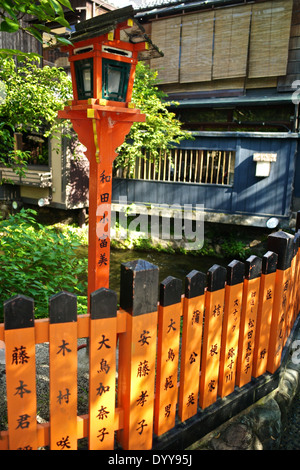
[147, 5]
[140, 4]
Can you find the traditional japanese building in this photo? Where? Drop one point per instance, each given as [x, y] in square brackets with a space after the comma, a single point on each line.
[58, 178]
[232, 66]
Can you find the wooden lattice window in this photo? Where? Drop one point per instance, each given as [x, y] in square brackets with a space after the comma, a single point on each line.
[186, 166]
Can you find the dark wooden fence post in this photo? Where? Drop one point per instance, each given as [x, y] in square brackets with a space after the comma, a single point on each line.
[264, 313]
[169, 313]
[253, 267]
[102, 385]
[292, 293]
[192, 326]
[20, 373]
[298, 221]
[63, 371]
[137, 353]
[282, 244]
[214, 308]
[297, 278]
[231, 327]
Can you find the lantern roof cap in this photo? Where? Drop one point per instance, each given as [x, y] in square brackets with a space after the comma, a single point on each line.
[103, 24]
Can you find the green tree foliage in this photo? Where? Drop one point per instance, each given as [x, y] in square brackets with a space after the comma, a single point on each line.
[13, 14]
[39, 261]
[33, 96]
[160, 131]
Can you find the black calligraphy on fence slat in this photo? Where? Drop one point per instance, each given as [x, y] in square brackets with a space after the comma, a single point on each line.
[192, 325]
[264, 313]
[214, 309]
[20, 372]
[280, 243]
[231, 327]
[167, 354]
[63, 371]
[137, 353]
[102, 384]
[253, 266]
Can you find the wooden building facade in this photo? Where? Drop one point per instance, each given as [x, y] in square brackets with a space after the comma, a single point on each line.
[60, 178]
[227, 185]
[233, 68]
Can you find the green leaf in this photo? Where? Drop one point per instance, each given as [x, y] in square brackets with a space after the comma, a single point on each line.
[9, 26]
[56, 6]
[61, 20]
[5, 53]
[35, 33]
[66, 3]
[42, 27]
[8, 7]
[64, 41]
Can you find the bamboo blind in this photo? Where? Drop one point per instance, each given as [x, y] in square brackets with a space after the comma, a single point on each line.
[269, 41]
[166, 35]
[197, 47]
[247, 40]
[231, 42]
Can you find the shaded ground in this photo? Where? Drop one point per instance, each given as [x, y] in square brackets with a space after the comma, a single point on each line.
[291, 434]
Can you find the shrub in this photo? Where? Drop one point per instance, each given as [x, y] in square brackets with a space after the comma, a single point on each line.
[235, 248]
[39, 261]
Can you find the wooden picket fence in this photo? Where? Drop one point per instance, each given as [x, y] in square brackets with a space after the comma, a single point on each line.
[158, 358]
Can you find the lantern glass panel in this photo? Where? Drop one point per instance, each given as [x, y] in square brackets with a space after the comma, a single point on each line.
[87, 81]
[84, 78]
[113, 80]
[115, 77]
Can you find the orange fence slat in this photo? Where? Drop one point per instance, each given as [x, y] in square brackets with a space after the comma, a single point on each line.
[223, 334]
[193, 309]
[138, 396]
[264, 314]
[248, 320]
[277, 332]
[214, 308]
[137, 348]
[20, 373]
[282, 244]
[102, 353]
[169, 314]
[231, 327]
[63, 371]
[291, 296]
[297, 279]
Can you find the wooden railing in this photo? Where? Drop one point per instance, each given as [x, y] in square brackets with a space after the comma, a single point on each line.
[185, 166]
[38, 177]
[157, 358]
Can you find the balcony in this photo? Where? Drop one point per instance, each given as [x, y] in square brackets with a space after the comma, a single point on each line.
[37, 176]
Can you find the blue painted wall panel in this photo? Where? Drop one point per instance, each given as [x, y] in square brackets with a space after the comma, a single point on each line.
[248, 194]
[297, 175]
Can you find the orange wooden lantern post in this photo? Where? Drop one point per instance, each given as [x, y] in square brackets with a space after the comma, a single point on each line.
[103, 58]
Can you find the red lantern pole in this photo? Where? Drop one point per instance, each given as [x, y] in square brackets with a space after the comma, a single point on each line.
[102, 129]
[105, 52]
